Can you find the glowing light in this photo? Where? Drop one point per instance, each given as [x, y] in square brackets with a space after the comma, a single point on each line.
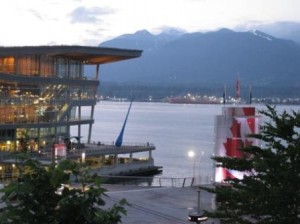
[83, 157]
[191, 154]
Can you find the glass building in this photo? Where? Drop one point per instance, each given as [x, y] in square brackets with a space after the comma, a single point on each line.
[42, 91]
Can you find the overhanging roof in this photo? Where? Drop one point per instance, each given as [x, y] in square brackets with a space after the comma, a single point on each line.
[89, 55]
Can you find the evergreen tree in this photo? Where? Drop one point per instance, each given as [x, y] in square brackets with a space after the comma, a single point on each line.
[41, 196]
[270, 189]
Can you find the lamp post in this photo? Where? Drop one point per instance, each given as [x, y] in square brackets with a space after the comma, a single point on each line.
[200, 162]
[197, 216]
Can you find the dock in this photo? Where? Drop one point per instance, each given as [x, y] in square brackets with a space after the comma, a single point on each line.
[103, 159]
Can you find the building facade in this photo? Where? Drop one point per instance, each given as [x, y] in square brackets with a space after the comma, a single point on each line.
[43, 90]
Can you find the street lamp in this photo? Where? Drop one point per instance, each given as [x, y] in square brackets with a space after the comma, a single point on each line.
[191, 154]
[198, 216]
[83, 157]
[200, 162]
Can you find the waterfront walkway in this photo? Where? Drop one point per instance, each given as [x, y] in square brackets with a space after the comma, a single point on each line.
[161, 205]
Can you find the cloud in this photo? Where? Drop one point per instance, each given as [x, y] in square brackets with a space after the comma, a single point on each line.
[52, 43]
[95, 32]
[249, 25]
[164, 28]
[88, 15]
[36, 14]
[91, 42]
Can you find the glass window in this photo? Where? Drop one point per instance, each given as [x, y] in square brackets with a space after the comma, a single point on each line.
[47, 66]
[7, 65]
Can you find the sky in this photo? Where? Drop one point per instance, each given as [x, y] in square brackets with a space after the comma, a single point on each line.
[90, 22]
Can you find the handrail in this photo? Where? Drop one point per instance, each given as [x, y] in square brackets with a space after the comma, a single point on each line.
[89, 150]
[153, 181]
[109, 150]
[105, 143]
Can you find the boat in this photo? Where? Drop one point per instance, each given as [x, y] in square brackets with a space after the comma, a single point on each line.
[195, 99]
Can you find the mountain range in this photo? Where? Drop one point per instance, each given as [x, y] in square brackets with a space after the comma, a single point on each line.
[174, 57]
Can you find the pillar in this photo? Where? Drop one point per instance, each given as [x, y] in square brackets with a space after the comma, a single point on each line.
[97, 72]
[150, 154]
[91, 125]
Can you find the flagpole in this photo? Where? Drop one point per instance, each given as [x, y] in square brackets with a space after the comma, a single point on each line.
[238, 91]
[224, 95]
[250, 94]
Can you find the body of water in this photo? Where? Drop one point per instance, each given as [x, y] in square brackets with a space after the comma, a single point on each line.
[174, 129]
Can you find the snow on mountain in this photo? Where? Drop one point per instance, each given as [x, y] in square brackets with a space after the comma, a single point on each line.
[212, 57]
[261, 34]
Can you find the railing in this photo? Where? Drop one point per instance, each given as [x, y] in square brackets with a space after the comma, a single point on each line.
[153, 181]
[89, 150]
[110, 149]
[101, 143]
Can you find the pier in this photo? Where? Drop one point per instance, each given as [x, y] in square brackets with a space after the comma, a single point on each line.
[102, 158]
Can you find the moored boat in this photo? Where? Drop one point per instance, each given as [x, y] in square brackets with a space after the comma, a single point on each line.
[190, 99]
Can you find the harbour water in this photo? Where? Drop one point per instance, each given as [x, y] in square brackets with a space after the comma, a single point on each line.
[175, 129]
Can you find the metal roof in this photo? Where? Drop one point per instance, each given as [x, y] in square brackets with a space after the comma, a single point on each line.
[87, 54]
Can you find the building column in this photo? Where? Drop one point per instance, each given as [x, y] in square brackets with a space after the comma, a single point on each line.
[97, 72]
[69, 113]
[91, 125]
[150, 155]
[79, 116]
[79, 133]
[116, 160]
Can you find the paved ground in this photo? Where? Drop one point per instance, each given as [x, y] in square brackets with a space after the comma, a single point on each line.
[158, 205]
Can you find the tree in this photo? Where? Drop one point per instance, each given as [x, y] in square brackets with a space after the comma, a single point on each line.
[270, 189]
[41, 196]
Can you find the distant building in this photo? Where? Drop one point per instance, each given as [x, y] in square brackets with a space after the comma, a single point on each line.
[42, 87]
